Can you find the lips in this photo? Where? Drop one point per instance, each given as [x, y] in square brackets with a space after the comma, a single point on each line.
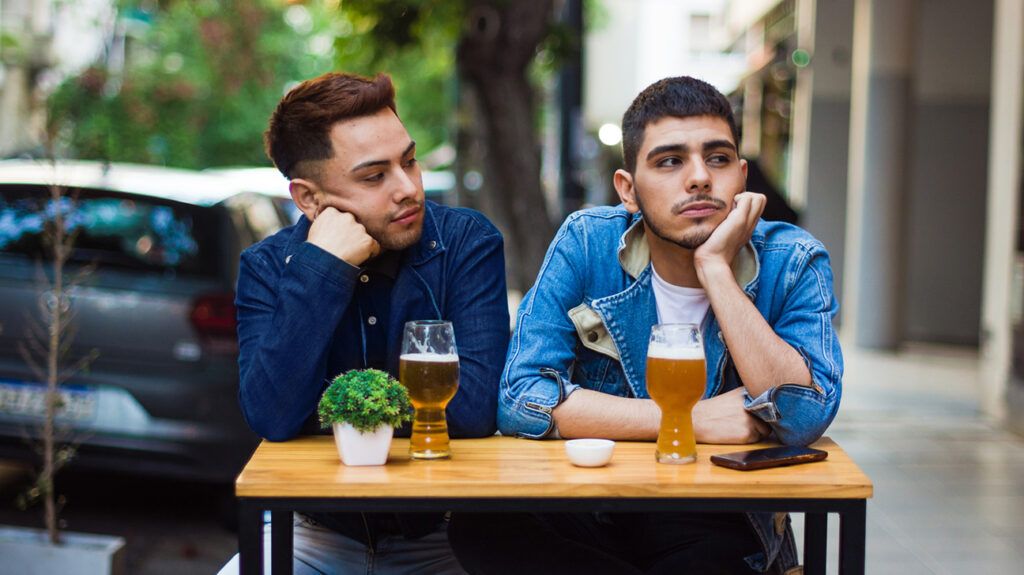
[699, 209]
[407, 216]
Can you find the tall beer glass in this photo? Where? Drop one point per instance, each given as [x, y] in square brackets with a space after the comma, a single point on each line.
[675, 381]
[429, 369]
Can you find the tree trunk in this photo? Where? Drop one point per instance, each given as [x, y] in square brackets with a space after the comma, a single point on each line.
[494, 55]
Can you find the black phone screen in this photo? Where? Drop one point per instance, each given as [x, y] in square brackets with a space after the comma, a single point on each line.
[769, 457]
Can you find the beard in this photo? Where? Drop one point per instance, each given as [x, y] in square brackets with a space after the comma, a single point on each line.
[690, 239]
[397, 241]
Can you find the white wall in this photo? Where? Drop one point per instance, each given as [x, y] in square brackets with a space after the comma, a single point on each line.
[642, 41]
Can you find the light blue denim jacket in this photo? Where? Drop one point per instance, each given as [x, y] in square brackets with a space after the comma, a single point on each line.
[587, 320]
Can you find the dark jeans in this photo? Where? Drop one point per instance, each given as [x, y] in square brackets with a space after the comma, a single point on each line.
[596, 543]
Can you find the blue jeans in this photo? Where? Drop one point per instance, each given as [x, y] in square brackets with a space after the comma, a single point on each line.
[320, 550]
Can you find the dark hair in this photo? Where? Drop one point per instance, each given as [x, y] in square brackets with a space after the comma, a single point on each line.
[679, 97]
[300, 126]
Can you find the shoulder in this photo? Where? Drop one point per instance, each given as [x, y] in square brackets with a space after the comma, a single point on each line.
[613, 220]
[784, 237]
[271, 250]
[455, 222]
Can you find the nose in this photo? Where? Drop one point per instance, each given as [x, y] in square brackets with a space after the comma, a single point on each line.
[699, 179]
[407, 185]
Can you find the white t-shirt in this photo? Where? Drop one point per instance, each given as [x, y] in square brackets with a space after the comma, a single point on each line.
[678, 304]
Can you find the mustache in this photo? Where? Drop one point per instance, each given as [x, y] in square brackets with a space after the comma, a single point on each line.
[406, 205]
[680, 206]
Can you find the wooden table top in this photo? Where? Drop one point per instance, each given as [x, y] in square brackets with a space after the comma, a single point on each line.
[504, 467]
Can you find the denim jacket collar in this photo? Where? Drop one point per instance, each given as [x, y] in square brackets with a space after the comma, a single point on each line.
[635, 256]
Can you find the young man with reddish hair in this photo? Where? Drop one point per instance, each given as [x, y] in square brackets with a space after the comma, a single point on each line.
[332, 293]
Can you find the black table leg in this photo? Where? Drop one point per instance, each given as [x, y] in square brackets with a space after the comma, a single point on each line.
[281, 542]
[815, 543]
[852, 538]
[250, 538]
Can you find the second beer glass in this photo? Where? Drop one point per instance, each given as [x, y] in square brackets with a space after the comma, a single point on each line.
[429, 369]
[675, 381]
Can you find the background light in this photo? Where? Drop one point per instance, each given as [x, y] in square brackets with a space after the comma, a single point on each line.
[610, 135]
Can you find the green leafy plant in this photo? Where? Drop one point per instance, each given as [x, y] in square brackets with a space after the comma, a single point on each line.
[365, 399]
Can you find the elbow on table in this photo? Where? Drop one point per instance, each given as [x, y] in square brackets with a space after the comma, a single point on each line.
[803, 422]
[271, 430]
[524, 422]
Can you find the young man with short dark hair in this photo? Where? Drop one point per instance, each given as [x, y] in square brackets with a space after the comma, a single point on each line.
[687, 245]
[333, 292]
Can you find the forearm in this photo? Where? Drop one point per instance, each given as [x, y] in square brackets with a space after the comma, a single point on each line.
[587, 413]
[763, 359]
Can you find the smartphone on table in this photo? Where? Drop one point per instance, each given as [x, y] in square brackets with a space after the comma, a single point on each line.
[768, 457]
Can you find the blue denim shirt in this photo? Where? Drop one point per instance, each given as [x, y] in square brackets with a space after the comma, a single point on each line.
[292, 295]
[587, 320]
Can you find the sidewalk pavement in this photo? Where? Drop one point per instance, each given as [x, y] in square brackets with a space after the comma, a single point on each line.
[949, 486]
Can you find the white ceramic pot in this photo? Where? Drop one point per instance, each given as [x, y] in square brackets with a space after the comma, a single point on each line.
[358, 448]
[27, 551]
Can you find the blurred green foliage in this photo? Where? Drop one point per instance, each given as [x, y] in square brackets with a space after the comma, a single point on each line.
[200, 79]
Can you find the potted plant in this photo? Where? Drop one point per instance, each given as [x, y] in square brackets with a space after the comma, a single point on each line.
[45, 349]
[363, 407]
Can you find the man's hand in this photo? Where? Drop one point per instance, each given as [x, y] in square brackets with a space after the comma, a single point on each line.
[732, 234]
[339, 234]
[722, 419]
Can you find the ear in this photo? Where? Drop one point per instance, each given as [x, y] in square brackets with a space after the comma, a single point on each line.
[743, 167]
[306, 195]
[623, 181]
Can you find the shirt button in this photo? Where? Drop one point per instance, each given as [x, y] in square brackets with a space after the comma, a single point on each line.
[432, 244]
[364, 278]
[592, 337]
[372, 320]
[287, 260]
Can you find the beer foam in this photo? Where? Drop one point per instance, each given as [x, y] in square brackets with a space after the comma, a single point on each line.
[663, 351]
[431, 357]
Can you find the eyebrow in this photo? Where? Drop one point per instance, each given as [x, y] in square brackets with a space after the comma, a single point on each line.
[373, 163]
[683, 148]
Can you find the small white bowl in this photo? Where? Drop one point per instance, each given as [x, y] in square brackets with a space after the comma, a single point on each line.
[589, 452]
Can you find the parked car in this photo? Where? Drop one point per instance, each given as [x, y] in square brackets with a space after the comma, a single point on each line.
[161, 396]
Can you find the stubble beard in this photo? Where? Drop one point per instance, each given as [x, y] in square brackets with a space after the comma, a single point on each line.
[401, 240]
[691, 239]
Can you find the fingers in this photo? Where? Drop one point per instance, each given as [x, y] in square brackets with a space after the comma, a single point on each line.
[375, 248]
[750, 206]
[763, 429]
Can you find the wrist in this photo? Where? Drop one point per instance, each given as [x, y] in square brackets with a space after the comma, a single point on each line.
[710, 270]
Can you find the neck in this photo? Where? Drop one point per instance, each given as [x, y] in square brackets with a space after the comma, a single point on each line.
[673, 263]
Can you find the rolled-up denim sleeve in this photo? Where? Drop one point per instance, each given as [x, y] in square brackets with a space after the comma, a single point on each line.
[799, 414]
[542, 351]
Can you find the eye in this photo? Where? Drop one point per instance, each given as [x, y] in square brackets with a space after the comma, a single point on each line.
[410, 162]
[378, 177]
[718, 160]
[669, 162]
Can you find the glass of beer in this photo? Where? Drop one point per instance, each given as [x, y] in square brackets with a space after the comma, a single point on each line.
[675, 381]
[429, 369]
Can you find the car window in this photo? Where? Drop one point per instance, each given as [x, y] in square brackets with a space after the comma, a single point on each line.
[112, 229]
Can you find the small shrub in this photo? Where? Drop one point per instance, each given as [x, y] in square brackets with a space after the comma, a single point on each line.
[365, 399]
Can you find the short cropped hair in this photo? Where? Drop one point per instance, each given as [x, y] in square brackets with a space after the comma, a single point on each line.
[299, 130]
[679, 97]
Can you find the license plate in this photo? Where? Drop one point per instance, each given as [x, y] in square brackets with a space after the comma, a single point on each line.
[29, 400]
